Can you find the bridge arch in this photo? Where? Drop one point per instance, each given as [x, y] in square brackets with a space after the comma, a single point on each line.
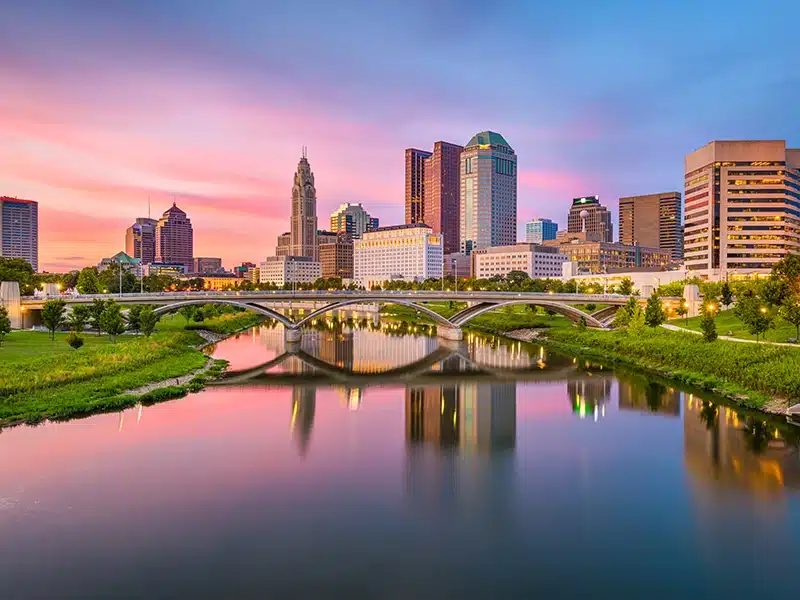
[439, 319]
[573, 314]
[268, 312]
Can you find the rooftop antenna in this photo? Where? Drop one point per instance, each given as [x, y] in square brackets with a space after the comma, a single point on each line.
[305, 151]
[148, 207]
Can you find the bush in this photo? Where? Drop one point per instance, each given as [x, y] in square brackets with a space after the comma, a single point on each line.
[708, 326]
[74, 340]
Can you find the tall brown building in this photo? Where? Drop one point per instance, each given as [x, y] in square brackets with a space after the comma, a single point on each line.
[174, 238]
[304, 212]
[140, 240]
[653, 220]
[442, 193]
[415, 184]
[589, 213]
[337, 258]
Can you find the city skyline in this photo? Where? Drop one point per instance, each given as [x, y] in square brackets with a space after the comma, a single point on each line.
[121, 131]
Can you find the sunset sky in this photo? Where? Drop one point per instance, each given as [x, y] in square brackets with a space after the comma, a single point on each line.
[104, 104]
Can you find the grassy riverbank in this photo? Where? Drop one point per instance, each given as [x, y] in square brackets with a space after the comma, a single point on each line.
[42, 378]
[502, 319]
[729, 324]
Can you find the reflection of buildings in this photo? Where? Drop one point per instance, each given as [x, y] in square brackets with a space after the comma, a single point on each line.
[648, 396]
[374, 352]
[488, 352]
[723, 450]
[588, 395]
[304, 403]
[432, 414]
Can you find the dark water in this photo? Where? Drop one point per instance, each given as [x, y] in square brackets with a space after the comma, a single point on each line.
[357, 468]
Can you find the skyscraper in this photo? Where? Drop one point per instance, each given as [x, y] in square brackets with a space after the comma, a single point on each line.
[415, 185]
[488, 210]
[140, 240]
[442, 193]
[174, 238]
[741, 201]
[304, 212]
[597, 219]
[653, 220]
[540, 230]
[352, 219]
[19, 229]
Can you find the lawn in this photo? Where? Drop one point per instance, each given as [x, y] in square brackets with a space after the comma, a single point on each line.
[506, 318]
[729, 324]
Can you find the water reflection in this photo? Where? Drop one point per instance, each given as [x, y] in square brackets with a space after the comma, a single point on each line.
[645, 395]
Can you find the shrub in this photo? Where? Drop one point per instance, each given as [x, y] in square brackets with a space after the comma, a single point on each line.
[709, 326]
[5, 323]
[75, 341]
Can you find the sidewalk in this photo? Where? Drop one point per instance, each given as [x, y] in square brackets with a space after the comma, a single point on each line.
[728, 338]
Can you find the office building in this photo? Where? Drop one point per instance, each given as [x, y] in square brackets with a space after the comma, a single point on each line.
[352, 220]
[205, 264]
[336, 258]
[140, 240]
[457, 264]
[540, 230]
[326, 237]
[587, 254]
[538, 261]
[488, 210]
[174, 238]
[128, 263]
[741, 207]
[217, 282]
[442, 193]
[280, 270]
[407, 252]
[284, 244]
[243, 271]
[587, 214]
[19, 230]
[415, 185]
[169, 269]
[653, 220]
[304, 212]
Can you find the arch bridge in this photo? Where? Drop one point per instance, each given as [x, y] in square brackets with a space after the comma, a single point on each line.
[270, 304]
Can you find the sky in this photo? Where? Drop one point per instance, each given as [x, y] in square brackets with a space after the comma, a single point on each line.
[104, 105]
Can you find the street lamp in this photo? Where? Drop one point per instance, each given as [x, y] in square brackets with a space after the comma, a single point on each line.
[763, 309]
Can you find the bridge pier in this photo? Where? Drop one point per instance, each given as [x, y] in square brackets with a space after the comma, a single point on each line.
[291, 335]
[10, 298]
[453, 334]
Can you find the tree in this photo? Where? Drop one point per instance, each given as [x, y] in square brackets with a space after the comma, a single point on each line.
[726, 295]
[625, 286]
[78, 317]
[187, 312]
[516, 277]
[752, 312]
[112, 322]
[96, 311]
[198, 316]
[683, 311]
[19, 270]
[788, 270]
[5, 324]
[622, 317]
[774, 291]
[133, 318]
[74, 340]
[53, 315]
[109, 279]
[654, 314]
[708, 325]
[147, 321]
[88, 281]
[790, 312]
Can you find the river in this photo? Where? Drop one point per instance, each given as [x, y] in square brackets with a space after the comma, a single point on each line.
[379, 462]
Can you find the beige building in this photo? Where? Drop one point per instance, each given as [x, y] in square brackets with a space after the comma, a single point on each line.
[587, 215]
[337, 258]
[741, 207]
[590, 255]
[280, 270]
[538, 261]
[407, 252]
[284, 244]
[654, 221]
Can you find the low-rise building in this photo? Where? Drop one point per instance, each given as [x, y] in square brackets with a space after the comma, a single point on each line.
[159, 268]
[206, 264]
[128, 263]
[244, 270]
[280, 270]
[538, 261]
[337, 258]
[594, 256]
[408, 252]
[457, 264]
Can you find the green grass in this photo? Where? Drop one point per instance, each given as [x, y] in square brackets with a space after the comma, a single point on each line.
[503, 319]
[228, 323]
[747, 373]
[728, 322]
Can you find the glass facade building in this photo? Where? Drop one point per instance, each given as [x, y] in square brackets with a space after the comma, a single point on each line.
[540, 230]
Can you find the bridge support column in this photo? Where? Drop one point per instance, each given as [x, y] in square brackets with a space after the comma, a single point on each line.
[453, 334]
[10, 299]
[292, 335]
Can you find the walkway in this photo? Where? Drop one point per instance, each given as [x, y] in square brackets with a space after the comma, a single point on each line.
[729, 338]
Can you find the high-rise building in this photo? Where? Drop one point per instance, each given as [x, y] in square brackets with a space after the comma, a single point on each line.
[741, 207]
[442, 193]
[587, 214]
[488, 210]
[540, 230]
[337, 258]
[19, 229]
[653, 220]
[206, 264]
[174, 238]
[284, 245]
[140, 240]
[415, 185]
[352, 219]
[408, 252]
[304, 212]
